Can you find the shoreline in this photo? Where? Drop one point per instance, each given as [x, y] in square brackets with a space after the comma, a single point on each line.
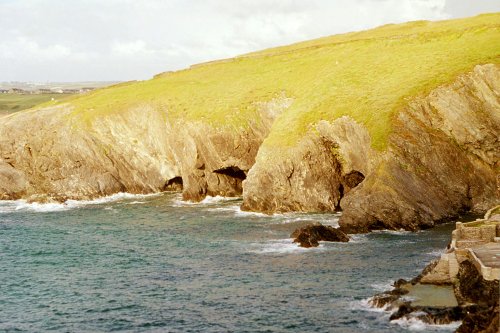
[462, 285]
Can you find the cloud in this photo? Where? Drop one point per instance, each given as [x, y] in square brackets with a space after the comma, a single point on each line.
[127, 39]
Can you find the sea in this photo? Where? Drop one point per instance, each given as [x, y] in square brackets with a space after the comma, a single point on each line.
[153, 263]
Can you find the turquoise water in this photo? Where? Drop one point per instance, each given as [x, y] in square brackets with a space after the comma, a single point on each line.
[155, 264]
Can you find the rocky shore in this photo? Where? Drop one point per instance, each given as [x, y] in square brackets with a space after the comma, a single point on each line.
[462, 285]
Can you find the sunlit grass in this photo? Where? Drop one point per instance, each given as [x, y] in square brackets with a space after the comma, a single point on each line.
[10, 103]
[367, 75]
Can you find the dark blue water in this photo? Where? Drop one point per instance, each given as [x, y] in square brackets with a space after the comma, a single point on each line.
[153, 264]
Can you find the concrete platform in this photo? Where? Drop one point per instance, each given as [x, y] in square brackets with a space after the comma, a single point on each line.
[487, 257]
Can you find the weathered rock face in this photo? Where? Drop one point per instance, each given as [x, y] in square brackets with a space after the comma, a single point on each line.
[443, 159]
[314, 175]
[48, 154]
[435, 167]
[472, 288]
[312, 234]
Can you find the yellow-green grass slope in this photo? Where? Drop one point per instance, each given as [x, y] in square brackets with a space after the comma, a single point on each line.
[10, 103]
[367, 75]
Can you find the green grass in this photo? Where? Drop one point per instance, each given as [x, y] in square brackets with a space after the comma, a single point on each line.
[10, 103]
[367, 75]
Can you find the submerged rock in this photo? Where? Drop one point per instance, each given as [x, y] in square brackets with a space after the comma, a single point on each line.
[312, 234]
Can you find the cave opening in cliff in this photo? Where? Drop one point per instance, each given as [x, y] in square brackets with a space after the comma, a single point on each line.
[233, 172]
[348, 182]
[174, 184]
[352, 179]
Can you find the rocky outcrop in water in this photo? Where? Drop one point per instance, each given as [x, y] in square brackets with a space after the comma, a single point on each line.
[310, 235]
[442, 160]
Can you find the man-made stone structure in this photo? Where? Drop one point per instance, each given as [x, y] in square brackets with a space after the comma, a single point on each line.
[471, 268]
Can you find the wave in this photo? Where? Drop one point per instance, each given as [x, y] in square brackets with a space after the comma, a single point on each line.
[436, 253]
[383, 286]
[11, 206]
[399, 232]
[328, 219]
[358, 238]
[366, 305]
[281, 246]
[209, 200]
[411, 323]
[415, 324]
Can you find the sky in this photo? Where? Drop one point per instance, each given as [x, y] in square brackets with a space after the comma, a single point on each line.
[118, 40]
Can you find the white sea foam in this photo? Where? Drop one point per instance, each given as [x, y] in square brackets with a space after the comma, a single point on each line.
[358, 238]
[385, 286]
[436, 253]
[281, 246]
[10, 206]
[240, 212]
[325, 219]
[22, 205]
[236, 209]
[415, 324]
[208, 201]
[136, 203]
[393, 232]
[365, 305]
[217, 199]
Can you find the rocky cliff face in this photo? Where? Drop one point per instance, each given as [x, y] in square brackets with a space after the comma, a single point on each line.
[443, 159]
[48, 154]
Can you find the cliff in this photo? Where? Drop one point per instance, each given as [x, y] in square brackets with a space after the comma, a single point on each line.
[397, 126]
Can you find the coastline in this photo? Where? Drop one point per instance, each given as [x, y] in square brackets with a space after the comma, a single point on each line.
[460, 286]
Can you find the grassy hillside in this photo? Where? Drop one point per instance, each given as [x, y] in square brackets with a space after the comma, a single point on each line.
[367, 75]
[10, 103]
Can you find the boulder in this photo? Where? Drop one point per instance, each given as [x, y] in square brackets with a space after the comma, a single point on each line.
[310, 235]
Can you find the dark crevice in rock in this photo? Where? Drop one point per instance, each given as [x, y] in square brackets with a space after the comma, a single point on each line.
[233, 172]
[353, 179]
[174, 184]
[347, 183]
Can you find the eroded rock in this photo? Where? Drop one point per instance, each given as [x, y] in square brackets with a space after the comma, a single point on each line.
[55, 154]
[312, 234]
[434, 168]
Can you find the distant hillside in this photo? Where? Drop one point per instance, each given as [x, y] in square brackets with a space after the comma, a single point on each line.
[10, 103]
[18, 96]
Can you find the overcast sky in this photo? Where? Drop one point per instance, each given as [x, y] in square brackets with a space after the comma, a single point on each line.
[89, 40]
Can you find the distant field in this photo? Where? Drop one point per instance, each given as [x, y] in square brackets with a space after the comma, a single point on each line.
[10, 103]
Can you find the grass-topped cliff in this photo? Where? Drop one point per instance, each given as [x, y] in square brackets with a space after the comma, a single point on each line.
[397, 126]
[367, 75]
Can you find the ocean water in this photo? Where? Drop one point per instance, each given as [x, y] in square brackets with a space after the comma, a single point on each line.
[156, 264]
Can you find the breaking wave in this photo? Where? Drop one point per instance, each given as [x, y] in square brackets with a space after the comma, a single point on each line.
[11, 206]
